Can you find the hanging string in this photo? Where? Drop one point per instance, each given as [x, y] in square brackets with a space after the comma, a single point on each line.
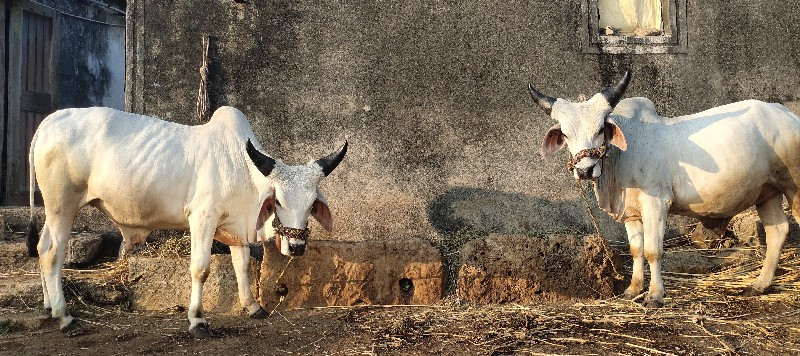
[203, 106]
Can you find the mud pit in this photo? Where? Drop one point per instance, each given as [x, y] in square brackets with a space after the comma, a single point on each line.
[703, 315]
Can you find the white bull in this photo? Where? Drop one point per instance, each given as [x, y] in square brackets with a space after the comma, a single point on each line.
[146, 174]
[710, 165]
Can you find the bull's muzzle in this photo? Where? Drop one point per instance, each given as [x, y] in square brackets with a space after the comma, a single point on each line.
[297, 249]
[585, 173]
[590, 172]
[290, 241]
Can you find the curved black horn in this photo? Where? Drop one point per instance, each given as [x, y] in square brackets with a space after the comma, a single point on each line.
[263, 162]
[544, 101]
[329, 162]
[614, 92]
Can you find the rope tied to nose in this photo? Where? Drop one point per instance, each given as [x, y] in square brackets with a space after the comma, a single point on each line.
[617, 275]
[596, 153]
[281, 289]
[288, 232]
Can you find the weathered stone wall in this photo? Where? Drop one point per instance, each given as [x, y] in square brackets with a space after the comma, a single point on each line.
[432, 96]
[91, 60]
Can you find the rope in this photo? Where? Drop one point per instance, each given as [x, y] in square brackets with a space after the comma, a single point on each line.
[203, 106]
[578, 184]
[277, 285]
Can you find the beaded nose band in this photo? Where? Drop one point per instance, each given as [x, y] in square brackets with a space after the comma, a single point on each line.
[596, 153]
[289, 232]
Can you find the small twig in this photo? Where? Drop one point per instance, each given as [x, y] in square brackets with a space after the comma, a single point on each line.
[722, 342]
[648, 349]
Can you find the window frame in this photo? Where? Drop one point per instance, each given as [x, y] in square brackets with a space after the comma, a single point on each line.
[674, 40]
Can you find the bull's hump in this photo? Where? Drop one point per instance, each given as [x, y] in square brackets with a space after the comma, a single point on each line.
[636, 108]
[233, 119]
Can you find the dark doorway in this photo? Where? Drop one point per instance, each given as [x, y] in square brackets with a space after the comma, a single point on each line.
[31, 89]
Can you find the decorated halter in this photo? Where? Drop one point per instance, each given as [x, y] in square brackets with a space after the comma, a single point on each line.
[596, 153]
[289, 232]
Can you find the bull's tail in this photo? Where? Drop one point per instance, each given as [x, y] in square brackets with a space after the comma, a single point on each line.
[33, 233]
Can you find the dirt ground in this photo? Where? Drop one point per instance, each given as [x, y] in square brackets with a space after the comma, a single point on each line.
[703, 315]
[738, 326]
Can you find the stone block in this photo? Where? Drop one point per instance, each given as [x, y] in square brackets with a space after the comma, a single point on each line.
[83, 248]
[401, 271]
[747, 229]
[523, 269]
[161, 283]
[692, 262]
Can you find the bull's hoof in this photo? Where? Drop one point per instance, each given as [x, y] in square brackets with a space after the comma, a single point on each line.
[259, 314]
[653, 304]
[629, 295]
[753, 292]
[200, 331]
[72, 329]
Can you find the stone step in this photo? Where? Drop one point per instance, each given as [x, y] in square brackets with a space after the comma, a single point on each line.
[13, 320]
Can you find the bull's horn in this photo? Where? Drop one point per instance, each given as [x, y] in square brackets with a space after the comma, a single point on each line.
[329, 162]
[263, 162]
[544, 101]
[614, 92]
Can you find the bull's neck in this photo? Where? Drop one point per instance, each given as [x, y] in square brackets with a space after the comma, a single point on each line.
[606, 187]
[609, 164]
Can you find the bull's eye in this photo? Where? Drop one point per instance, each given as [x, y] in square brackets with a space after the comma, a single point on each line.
[278, 202]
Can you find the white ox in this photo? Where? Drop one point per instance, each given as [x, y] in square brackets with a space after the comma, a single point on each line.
[710, 165]
[146, 174]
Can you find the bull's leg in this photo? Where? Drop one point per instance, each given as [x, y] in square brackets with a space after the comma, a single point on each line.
[654, 220]
[202, 233]
[44, 247]
[240, 257]
[51, 262]
[635, 231]
[776, 227]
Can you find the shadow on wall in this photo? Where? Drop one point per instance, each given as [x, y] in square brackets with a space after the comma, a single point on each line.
[462, 209]
[479, 212]
[463, 214]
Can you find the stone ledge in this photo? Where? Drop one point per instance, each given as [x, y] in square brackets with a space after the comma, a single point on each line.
[522, 269]
[161, 283]
[400, 271]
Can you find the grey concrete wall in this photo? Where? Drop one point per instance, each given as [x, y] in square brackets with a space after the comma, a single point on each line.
[432, 96]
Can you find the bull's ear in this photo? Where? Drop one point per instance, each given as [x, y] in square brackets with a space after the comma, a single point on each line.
[267, 209]
[614, 134]
[321, 212]
[553, 141]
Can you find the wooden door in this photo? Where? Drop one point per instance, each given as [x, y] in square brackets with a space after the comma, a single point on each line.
[32, 62]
